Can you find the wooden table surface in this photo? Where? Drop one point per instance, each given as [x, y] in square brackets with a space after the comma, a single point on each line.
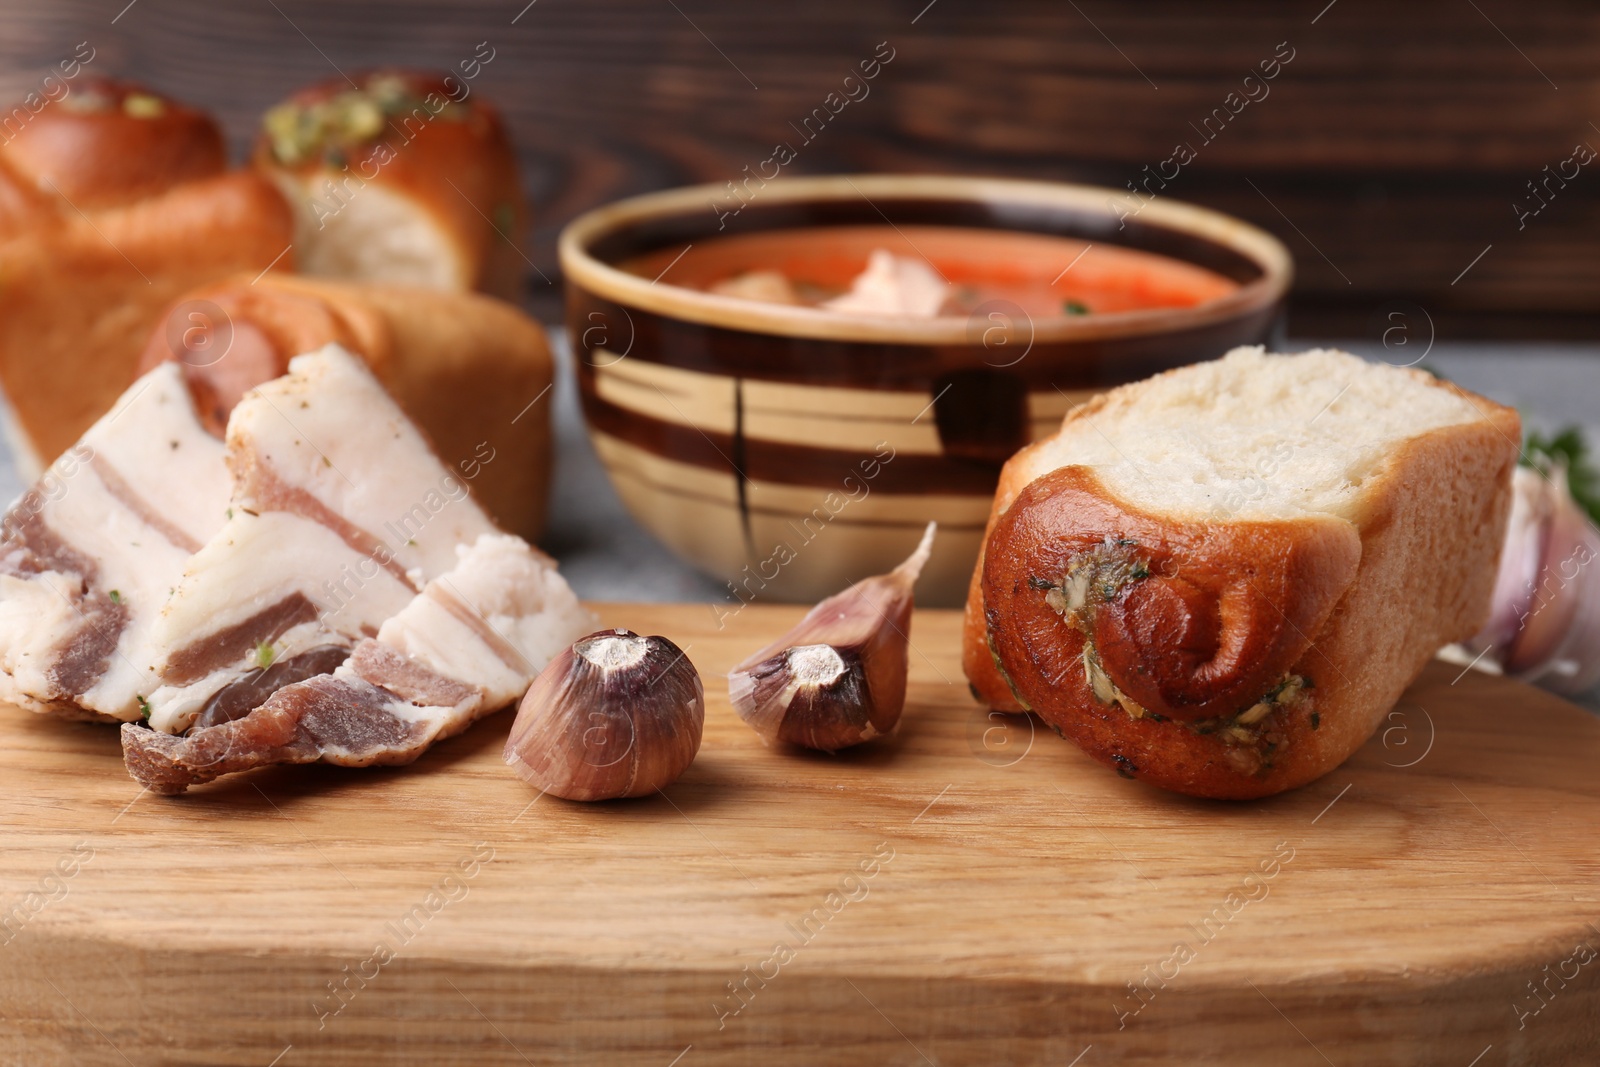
[974, 891]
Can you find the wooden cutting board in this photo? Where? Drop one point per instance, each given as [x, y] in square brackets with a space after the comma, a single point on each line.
[974, 891]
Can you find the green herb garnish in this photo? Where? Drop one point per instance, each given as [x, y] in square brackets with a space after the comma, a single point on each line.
[144, 708]
[1074, 307]
[116, 597]
[264, 655]
[353, 118]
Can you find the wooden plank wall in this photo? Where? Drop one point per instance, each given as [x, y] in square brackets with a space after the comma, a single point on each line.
[1389, 152]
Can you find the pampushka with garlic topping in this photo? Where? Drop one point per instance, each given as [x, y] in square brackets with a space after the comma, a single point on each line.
[1219, 580]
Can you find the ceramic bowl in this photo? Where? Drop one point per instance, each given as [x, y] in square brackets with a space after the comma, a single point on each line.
[789, 451]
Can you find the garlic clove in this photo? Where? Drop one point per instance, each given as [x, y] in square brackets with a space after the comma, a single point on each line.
[814, 696]
[1559, 643]
[1544, 625]
[1520, 558]
[1574, 664]
[615, 715]
[839, 677]
[1550, 597]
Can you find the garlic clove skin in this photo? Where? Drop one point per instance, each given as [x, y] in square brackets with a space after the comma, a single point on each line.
[615, 715]
[1520, 559]
[1544, 626]
[838, 678]
[1574, 665]
[813, 696]
[1551, 601]
[1559, 646]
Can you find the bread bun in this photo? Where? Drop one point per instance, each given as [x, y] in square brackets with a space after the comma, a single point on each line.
[1220, 579]
[393, 180]
[466, 368]
[113, 200]
[112, 143]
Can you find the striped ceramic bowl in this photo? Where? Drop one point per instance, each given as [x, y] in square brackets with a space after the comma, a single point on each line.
[789, 451]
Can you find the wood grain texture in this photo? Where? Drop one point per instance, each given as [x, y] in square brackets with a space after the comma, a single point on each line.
[1019, 890]
[1388, 153]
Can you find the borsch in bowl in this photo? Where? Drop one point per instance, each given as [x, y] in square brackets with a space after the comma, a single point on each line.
[786, 393]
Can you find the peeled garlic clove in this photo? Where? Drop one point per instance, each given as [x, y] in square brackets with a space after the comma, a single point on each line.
[615, 715]
[839, 677]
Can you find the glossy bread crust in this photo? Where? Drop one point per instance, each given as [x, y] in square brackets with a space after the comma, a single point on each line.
[109, 144]
[1235, 659]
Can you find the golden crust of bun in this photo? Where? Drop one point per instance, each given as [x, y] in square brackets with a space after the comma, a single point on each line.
[465, 367]
[1232, 658]
[454, 161]
[109, 144]
[22, 204]
[80, 292]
